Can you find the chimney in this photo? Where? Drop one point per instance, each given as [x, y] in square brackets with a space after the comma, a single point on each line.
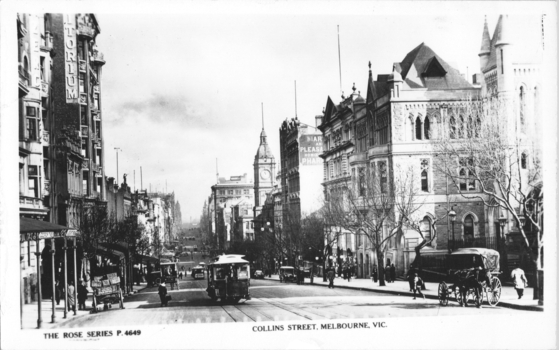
[318, 120]
[476, 79]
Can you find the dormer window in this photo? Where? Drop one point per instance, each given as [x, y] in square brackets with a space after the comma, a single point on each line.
[434, 69]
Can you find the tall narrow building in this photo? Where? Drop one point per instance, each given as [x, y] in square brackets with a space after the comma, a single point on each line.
[264, 175]
[78, 131]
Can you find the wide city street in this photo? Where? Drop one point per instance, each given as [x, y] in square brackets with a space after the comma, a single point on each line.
[271, 301]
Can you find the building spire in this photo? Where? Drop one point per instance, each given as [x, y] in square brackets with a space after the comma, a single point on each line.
[485, 40]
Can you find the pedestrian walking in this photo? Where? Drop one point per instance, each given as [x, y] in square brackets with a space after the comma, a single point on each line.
[180, 275]
[520, 281]
[162, 291]
[417, 283]
[58, 291]
[410, 276]
[375, 273]
[392, 273]
[71, 300]
[387, 273]
[82, 295]
[331, 276]
[348, 273]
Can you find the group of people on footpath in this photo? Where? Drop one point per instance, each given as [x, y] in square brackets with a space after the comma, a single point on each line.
[70, 290]
[389, 273]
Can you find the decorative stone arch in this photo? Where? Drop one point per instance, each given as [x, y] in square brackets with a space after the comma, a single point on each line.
[475, 223]
[410, 128]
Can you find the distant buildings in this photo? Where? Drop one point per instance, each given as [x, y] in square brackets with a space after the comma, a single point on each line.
[225, 194]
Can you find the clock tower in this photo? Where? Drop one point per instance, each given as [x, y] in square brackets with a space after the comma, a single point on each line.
[264, 173]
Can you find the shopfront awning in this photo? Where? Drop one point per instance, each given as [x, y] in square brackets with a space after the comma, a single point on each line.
[102, 250]
[31, 230]
[146, 259]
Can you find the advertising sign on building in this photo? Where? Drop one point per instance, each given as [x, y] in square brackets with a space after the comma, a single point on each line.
[70, 58]
[310, 147]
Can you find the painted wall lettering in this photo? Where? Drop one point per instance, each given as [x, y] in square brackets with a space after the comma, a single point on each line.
[70, 54]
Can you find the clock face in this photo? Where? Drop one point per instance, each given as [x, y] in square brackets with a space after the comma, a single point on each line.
[264, 174]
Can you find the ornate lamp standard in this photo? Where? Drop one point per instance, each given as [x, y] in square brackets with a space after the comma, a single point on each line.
[452, 216]
[502, 222]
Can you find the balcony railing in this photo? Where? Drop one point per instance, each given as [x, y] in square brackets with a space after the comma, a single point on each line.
[85, 30]
[98, 57]
[477, 242]
[46, 41]
[44, 88]
[46, 136]
[24, 76]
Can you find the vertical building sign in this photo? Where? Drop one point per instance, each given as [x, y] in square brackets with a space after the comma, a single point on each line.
[310, 147]
[70, 58]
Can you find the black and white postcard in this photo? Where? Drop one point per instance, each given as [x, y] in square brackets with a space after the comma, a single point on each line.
[278, 174]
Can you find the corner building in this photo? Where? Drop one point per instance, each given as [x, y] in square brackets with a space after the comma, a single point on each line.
[78, 129]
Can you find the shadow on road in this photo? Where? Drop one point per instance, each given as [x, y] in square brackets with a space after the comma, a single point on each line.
[187, 303]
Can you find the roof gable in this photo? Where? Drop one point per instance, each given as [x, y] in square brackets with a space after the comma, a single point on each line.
[433, 68]
[423, 68]
[330, 109]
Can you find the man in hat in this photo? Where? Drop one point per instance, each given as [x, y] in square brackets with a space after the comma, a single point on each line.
[162, 291]
[520, 281]
[82, 294]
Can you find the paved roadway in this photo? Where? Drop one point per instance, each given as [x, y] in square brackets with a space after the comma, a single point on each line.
[271, 301]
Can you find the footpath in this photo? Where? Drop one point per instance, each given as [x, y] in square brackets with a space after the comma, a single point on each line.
[509, 298]
[30, 312]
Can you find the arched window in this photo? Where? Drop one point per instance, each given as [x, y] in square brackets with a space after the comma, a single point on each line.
[536, 102]
[452, 128]
[418, 129]
[463, 184]
[424, 181]
[470, 127]
[425, 226]
[521, 106]
[477, 127]
[524, 160]
[425, 175]
[427, 129]
[460, 127]
[468, 228]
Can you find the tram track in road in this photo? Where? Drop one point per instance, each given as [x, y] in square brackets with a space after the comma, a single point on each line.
[241, 311]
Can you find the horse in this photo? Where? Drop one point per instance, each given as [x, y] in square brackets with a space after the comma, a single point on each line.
[472, 279]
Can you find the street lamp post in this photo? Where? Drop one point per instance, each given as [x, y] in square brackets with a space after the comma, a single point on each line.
[117, 149]
[502, 222]
[452, 216]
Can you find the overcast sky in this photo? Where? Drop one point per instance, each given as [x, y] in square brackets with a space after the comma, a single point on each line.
[181, 89]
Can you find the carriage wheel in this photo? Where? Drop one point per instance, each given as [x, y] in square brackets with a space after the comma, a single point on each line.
[458, 296]
[494, 294]
[443, 294]
[478, 299]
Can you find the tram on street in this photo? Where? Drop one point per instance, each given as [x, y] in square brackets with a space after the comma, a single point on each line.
[169, 273]
[229, 279]
[197, 272]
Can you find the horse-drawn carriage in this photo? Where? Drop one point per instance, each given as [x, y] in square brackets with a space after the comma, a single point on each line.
[472, 272]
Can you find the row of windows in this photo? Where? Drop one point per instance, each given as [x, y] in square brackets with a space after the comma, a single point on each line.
[224, 192]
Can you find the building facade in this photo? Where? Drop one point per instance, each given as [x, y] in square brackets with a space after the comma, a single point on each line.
[61, 143]
[338, 125]
[225, 194]
[511, 66]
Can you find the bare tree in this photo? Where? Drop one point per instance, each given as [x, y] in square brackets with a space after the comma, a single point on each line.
[95, 224]
[490, 154]
[372, 207]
